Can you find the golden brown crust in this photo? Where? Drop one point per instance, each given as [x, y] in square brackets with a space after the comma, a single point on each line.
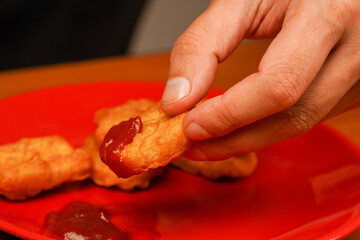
[34, 164]
[234, 167]
[108, 117]
[159, 129]
[161, 141]
[103, 176]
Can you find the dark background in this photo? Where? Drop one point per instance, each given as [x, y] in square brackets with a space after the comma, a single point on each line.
[37, 32]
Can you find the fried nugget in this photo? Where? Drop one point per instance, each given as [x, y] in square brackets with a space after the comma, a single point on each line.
[34, 164]
[103, 176]
[158, 141]
[234, 167]
[108, 117]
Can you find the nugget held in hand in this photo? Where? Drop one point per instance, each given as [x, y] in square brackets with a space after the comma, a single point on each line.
[145, 142]
[104, 120]
[108, 117]
[34, 164]
[234, 167]
[103, 176]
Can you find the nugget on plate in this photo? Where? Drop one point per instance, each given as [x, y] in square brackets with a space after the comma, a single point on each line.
[103, 176]
[151, 140]
[108, 117]
[234, 167]
[34, 164]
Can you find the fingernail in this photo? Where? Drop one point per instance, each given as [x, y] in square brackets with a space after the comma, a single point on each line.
[176, 89]
[196, 132]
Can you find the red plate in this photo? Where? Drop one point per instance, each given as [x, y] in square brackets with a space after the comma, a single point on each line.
[304, 188]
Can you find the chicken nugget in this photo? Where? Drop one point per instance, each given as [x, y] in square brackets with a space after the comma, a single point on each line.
[108, 117]
[234, 167]
[34, 164]
[103, 176]
[148, 141]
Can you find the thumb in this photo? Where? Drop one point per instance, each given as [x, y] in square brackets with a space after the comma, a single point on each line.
[210, 39]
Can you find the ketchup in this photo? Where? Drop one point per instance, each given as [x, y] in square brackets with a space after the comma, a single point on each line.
[114, 142]
[80, 220]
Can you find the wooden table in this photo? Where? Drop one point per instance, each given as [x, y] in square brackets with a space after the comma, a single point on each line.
[243, 62]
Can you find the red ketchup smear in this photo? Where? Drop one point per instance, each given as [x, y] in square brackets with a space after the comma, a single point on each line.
[80, 220]
[114, 142]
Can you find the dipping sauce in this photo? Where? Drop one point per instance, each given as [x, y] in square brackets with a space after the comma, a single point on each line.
[115, 140]
[82, 221]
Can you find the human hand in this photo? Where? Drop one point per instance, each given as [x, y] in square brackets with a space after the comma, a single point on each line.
[310, 72]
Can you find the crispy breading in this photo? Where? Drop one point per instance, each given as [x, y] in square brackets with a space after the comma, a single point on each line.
[108, 117]
[103, 176]
[234, 167]
[34, 164]
[161, 141]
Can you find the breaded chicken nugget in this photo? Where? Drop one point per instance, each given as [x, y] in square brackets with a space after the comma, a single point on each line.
[149, 141]
[234, 167]
[108, 117]
[34, 164]
[103, 176]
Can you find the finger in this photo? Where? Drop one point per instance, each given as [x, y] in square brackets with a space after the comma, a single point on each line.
[337, 76]
[196, 54]
[350, 101]
[246, 139]
[286, 70]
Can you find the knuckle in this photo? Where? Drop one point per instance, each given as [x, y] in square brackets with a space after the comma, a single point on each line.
[340, 6]
[283, 89]
[186, 44]
[340, 11]
[225, 116]
[300, 119]
[190, 42]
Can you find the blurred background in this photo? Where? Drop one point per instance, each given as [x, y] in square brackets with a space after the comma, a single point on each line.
[40, 32]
